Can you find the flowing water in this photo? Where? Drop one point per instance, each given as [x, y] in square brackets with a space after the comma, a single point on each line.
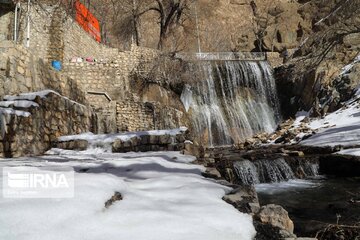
[313, 204]
[271, 171]
[233, 100]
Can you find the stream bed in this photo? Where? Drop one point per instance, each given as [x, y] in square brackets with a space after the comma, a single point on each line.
[314, 203]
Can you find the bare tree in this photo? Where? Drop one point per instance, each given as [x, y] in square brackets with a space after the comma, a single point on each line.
[171, 14]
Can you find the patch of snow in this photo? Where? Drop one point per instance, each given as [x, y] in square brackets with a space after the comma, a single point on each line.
[353, 152]
[299, 116]
[165, 198]
[32, 95]
[348, 67]
[19, 104]
[11, 111]
[338, 128]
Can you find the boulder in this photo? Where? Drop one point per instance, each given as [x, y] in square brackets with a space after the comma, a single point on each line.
[211, 172]
[276, 216]
[243, 198]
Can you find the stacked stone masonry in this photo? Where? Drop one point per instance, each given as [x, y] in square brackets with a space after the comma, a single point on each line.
[134, 115]
[30, 127]
[21, 72]
[54, 35]
[143, 142]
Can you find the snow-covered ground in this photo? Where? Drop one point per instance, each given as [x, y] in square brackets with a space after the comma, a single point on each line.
[164, 197]
[339, 128]
[352, 151]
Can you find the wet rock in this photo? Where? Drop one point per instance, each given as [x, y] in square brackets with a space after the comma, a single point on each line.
[79, 145]
[266, 232]
[280, 140]
[340, 165]
[243, 198]
[117, 145]
[296, 153]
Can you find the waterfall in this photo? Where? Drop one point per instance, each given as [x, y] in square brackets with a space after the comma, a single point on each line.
[265, 171]
[247, 172]
[232, 101]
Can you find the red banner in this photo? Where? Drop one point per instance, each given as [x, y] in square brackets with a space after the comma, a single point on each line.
[87, 21]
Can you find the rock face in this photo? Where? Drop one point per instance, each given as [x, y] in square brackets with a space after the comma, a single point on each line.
[241, 25]
[324, 69]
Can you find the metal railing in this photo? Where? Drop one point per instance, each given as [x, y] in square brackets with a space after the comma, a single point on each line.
[223, 56]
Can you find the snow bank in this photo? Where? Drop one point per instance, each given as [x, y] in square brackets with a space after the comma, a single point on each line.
[353, 152]
[19, 104]
[29, 96]
[164, 198]
[339, 128]
[32, 95]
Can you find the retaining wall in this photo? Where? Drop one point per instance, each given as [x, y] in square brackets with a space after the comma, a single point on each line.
[31, 130]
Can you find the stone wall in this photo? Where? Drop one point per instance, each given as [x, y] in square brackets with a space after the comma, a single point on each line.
[133, 115]
[21, 72]
[54, 35]
[6, 17]
[106, 111]
[111, 76]
[105, 77]
[31, 123]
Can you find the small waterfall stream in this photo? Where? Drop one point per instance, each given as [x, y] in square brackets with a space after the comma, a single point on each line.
[270, 171]
[233, 101]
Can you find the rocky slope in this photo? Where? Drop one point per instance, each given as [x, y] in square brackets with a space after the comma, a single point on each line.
[243, 25]
[324, 70]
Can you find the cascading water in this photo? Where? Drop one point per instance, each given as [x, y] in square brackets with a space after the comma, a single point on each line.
[234, 100]
[265, 171]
